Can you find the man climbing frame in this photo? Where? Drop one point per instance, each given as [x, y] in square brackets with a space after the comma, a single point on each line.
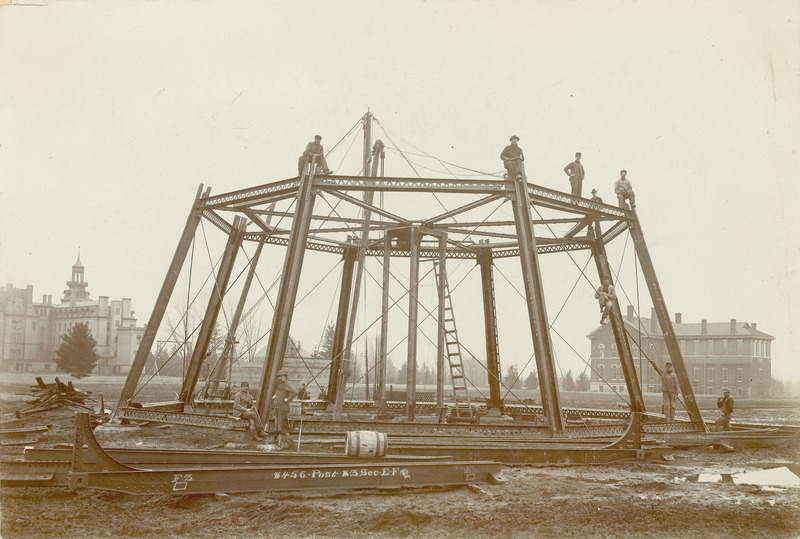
[605, 296]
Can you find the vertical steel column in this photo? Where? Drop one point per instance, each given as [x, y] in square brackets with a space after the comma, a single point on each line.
[287, 294]
[441, 357]
[540, 329]
[151, 330]
[368, 197]
[380, 394]
[212, 311]
[338, 367]
[413, 305]
[227, 351]
[618, 327]
[484, 260]
[660, 306]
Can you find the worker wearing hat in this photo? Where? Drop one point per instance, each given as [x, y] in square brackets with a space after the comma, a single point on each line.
[669, 389]
[725, 405]
[513, 158]
[596, 198]
[314, 149]
[284, 394]
[243, 408]
[576, 174]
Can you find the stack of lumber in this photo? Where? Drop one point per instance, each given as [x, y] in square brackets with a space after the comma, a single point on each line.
[54, 396]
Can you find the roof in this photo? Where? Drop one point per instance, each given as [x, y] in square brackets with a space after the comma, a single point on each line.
[714, 329]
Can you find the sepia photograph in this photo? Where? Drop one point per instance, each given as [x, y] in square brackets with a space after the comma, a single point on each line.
[423, 269]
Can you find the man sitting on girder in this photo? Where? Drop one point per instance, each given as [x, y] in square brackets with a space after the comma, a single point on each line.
[605, 295]
[243, 408]
[313, 149]
[513, 158]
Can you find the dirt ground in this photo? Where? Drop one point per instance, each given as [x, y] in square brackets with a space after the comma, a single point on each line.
[636, 499]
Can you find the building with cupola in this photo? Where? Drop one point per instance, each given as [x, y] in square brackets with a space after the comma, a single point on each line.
[31, 332]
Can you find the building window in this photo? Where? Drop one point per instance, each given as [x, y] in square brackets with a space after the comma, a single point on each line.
[683, 347]
[724, 375]
[601, 350]
[33, 325]
[600, 372]
[710, 374]
[739, 347]
[47, 366]
[740, 374]
[613, 372]
[696, 374]
[724, 344]
[614, 350]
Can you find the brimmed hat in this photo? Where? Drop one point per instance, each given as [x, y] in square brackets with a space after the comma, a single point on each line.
[282, 373]
[245, 384]
[726, 390]
[317, 137]
[594, 190]
[668, 363]
[513, 137]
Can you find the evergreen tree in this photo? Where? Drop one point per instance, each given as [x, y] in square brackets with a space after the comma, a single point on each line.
[583, 382]
[568, 381]
[511, 378]
[532, 381]
[325, 348]
[77, 355]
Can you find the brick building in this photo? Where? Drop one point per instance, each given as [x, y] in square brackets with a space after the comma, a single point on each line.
[716, 354]
[30, 333]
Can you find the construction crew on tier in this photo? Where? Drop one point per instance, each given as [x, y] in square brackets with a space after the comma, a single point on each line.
[243, 408]
[513, 158]
[669, 389]
[624, 191]
[606, 294]
[576, 174]
[725, 405]
[314, 148]
[284, 394]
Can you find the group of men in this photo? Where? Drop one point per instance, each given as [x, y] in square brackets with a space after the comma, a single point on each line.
[244, 408]
[513, 161]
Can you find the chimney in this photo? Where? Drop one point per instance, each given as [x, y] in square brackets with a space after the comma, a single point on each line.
[653, 321]
[630, 312]
[703, 327]
[677, 318]
[753, 325]
[733, 326]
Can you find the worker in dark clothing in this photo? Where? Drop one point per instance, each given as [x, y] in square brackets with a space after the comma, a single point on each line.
[596, 198]
[284, 394]
[669, 390]
[605, 294]
[725, 404]
[513, 158]
[314, 149]
[576, 174]
[243, 407]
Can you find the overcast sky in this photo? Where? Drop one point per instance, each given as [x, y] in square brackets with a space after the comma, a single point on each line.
[112, 114]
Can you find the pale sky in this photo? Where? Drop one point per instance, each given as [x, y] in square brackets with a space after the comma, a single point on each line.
[112, 113]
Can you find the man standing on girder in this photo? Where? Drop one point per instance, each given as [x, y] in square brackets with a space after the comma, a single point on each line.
[669, 389]
[314, 148]
[576, 174]
[513, 158]
[284, 395]
[243, 408]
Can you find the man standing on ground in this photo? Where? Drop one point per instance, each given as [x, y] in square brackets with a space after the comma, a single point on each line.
[512, 158]
[624, 190]
[576, 173]
[314, 148]
[725, 405]
[283, 397]
[669, 390]
[243, 408]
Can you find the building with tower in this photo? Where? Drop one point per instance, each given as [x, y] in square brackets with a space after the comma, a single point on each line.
[30, 332]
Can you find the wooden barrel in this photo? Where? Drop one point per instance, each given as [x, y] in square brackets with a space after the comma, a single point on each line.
[365, 443]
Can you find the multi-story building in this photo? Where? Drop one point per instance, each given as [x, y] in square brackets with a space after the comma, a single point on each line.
[718, 354]
[30, 333]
